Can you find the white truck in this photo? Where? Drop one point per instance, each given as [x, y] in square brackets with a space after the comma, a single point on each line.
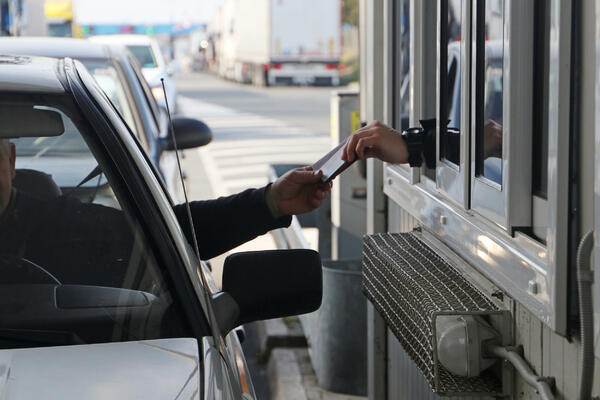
[268, 42]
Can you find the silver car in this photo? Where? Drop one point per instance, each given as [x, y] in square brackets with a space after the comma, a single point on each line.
[107, 299]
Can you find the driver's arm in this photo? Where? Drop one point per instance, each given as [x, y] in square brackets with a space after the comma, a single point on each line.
[228, 222]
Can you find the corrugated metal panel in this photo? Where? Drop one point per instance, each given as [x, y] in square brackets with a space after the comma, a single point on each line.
[398, 219]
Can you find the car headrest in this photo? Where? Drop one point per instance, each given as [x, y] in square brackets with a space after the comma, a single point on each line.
[36, 184]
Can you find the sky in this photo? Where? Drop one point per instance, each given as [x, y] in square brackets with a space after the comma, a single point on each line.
[134, 12]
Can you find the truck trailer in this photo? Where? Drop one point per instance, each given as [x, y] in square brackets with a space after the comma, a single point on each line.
[268, 42]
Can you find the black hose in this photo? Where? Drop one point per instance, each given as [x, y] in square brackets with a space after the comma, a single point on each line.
[586, 315]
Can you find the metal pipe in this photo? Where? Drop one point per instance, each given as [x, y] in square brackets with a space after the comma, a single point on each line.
[586, 315]
[541, 384]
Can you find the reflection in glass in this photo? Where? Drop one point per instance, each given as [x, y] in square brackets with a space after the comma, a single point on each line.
[404, 63]
[107, 77]
[541, 51]
[489, 70]
[450, 138]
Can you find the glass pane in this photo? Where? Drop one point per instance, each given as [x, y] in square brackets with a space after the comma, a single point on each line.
[490, 67]
[144, 55]
[74, 260]
[450, 138]
[404, 63]
[107, 77]
[540, 102]
[147, 91]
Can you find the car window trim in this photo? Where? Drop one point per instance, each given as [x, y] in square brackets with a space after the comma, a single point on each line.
[142, 203]
[141, 80]
[135, 107]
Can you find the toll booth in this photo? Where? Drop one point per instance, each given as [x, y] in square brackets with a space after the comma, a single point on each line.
[498, 223]
[59, 18]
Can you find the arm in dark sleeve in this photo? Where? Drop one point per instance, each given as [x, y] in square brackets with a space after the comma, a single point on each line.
[227, 222]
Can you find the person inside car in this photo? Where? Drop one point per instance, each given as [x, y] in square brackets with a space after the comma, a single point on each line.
[45, 231]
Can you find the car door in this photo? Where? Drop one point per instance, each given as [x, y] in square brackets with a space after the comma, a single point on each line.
[220, 370]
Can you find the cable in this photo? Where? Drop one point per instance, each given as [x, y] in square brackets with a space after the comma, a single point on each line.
[541, 384]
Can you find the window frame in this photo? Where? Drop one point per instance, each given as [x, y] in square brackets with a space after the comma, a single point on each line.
[421, 69]
[508, 204]
[450, 178]
[532, 273]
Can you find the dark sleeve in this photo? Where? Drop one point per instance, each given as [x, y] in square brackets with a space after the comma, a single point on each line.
[227, 222]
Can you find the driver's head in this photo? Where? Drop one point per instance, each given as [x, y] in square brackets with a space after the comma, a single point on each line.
[7, 171]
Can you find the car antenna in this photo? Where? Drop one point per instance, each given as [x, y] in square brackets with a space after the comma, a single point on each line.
[207, 298]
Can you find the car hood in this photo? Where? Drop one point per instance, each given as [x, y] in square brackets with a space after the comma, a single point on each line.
[155, 369]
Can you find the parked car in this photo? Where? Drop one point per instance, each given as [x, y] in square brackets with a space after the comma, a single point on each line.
[125, 309]
[148, 53]
[118, 73]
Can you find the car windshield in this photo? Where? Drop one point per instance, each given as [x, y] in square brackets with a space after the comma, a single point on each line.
[144, 55]
[107, 77]
[75, 264]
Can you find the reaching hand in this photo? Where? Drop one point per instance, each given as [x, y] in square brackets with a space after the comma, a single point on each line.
[376, 140]
[297, 192]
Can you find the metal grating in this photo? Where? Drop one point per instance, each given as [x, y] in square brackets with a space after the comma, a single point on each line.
[410, 285]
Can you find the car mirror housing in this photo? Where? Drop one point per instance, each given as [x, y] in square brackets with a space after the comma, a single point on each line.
[268, 284]
[189, 133]
[18, 120]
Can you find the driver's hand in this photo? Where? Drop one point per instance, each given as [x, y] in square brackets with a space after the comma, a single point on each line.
[297, 192]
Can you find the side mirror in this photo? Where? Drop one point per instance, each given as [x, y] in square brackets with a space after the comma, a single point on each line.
[268, 284]
[189, 133]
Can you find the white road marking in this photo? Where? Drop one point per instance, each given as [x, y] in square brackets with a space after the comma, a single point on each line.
[245, 144]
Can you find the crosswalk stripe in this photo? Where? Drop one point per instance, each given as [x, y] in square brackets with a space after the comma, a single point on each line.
[245, 144]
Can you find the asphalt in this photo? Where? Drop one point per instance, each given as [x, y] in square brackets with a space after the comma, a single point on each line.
[306, 107]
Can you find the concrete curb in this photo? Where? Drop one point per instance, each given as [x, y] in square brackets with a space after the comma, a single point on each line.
[289, 371]
[276, 333]
[285, 379]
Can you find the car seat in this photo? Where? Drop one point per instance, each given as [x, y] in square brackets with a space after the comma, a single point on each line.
[36, 184]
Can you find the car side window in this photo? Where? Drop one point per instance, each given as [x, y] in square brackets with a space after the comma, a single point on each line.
[147, 91]
[74, 259]
[108, 78]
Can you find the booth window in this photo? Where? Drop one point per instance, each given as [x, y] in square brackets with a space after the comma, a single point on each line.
[450, 83]
[403, 64]
[490, 62]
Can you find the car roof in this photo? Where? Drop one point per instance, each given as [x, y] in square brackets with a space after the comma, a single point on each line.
[53, 47]
[29, 74]
[124, 39]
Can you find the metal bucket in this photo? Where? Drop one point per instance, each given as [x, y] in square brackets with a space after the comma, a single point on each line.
[337, 332]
